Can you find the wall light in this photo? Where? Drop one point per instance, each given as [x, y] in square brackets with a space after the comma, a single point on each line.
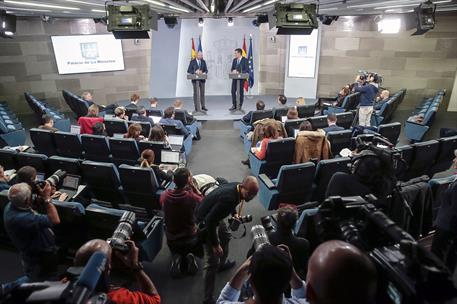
[200, 22]
[389, 26]
[229, 21]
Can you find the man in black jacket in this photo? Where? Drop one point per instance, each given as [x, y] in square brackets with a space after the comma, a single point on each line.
[198, 66]
[239, 65]
[211, 213]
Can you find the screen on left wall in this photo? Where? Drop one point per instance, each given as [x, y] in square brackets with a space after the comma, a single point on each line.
[87, 53]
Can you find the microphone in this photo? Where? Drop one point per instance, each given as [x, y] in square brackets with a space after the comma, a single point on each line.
[89, 278]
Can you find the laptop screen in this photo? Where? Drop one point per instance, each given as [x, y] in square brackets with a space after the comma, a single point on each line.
[75, 129]
[175, 140]
[170, 157]
[71, 182]
[155, 119]
[118, 135]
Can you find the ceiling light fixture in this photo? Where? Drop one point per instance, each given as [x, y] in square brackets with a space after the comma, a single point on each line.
[84, 2]
[42, 5]
[178, 9]
[442, 1]
[24, 9]
[259, 6]
[389, 26]
[230, 21]
[200, 22]
[97, 11]
[396, 6]
[155, 2]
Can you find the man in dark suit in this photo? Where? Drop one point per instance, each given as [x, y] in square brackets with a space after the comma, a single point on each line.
[259, 105]
[332, 126]
[239, 65]
[142, 117]
[198, 66]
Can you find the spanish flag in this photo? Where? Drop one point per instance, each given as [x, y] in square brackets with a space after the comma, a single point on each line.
[193, 54]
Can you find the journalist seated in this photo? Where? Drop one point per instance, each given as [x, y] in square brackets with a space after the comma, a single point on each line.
[270, 134]
[146, 293]
[87, 122]
[47, 123]
[259, 106]
[332, 126]
[270, 271]
[310, 144]
[87, 96]
[179, 206]
[292, 113]
[158, 134]
[99, 129]
[31, 232]
[339, 273]
[4, 179]
[381, 99]
[134, 131]
[142, 117]
[153, 102]
[119, 113]
[133, 105]
[169, 119]
[147, 160]
[178, 105]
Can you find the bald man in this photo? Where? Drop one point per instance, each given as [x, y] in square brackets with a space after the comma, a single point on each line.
[212, 211]
[339, 273]
[147, 293]
[198, 66]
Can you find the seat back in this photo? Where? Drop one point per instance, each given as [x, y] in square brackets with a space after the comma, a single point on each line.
[154, 112]
[324, 172]
[171, 129]
[306, 111]
[445, 155]
[72, 223]
[78, 105]
[424, 157]
[345, 119]
[140, 187]
[68, 144]
[95, 147]
[103, 181]
[38, 161]
[43, 141]
[145, 127]
[181, 115]
[295, 183]
[339, 140]
[115, 126]
[390, 131]
[291, 125]
[351, 101]
[129, 112]
[261, 114]
[124, 150]
[69, 165]
[406, 153]
[280, 112]
[157, 147]
[438, 187]
[102, 221]
[8, 159]
[318, 122]
[280, 150]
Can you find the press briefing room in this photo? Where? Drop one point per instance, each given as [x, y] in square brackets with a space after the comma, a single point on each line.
[228, 151]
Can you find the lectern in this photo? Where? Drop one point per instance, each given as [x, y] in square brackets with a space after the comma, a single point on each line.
[239, 78]
[197, 91]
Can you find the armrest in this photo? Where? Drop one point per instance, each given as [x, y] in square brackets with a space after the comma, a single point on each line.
[414, 123]
[267, 181]
[322, 99]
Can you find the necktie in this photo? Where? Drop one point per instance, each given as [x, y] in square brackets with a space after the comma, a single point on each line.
[198, 62]
[238, 62]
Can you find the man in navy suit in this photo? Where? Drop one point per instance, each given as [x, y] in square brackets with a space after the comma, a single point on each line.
[239, 65]
[198, 66]
[332, 126]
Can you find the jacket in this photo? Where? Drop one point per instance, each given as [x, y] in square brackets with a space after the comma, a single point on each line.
[86, 124]
[193, 67]
[257, 135]
[311, 144]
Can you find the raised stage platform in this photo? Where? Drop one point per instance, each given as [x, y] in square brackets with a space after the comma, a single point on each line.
[218, 105]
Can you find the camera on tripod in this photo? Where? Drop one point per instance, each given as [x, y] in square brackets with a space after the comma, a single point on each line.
[235, 222]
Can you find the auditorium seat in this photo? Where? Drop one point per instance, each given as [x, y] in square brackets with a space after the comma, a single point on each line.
[124, 151]
[115, 126]
[318, 122]
[324, 172]
[69, 165]
[43, 141]
[8, 159]
[350, 102]
[103, 182]
[145, 127]
[245, 127]
[291, 125]
[345, 119]
[130, 112]
[41, 107]
[423, 158]
[279, 152]
[140, 188]
[339, 140]
[3, 202]
[293, 186]
[173, 130]
[154, 112]
[306, 110]
[443, 161]
[390, 131]
[71, 233]
[280, 112]
[78, 105]
[102, 221]
[438, 187]
[406, 153]
[155, 146]
[38, 161]
[96, 148]
[68, 144]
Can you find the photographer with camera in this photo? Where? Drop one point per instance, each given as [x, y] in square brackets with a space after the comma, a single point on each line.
[366, 86]
[31, 232]
[147, 293]
[269, 271]
[339, 273]
[213, 231]
[178, 206]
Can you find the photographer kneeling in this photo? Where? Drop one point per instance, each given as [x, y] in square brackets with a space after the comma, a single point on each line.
[214, 208]
[148, 293]
[30, 231]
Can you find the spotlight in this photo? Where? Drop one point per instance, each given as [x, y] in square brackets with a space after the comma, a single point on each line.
[229, 21]
[200, 22]
[170, 21]
[327, 20]
[260, 19]
[425, 13]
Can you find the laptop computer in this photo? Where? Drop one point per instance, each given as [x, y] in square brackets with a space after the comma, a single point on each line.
[170, 160]
[70, 185]
[155, 119]
[75, 129]
[118, 135]
[176, 142]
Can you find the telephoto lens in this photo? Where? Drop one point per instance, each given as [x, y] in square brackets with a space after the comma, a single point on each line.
[259, 236]
[123, 232]
[55, 179]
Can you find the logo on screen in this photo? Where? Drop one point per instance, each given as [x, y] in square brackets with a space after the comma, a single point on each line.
[89, 50]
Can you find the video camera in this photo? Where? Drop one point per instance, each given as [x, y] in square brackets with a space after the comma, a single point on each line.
[377, 78]
[407, 272]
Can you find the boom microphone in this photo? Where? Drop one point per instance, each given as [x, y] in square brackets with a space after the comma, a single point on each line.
[89, 278]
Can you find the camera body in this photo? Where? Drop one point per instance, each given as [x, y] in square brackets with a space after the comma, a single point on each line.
[235, 223]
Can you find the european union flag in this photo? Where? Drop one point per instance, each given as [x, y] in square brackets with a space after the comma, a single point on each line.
[200, 44]
[251, 64]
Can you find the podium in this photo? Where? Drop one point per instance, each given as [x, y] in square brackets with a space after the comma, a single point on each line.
[197, 91]
[239, 78]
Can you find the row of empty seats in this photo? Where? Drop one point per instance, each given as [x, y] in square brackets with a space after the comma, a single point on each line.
[11, 131]
[41, 107]
[384, 115]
